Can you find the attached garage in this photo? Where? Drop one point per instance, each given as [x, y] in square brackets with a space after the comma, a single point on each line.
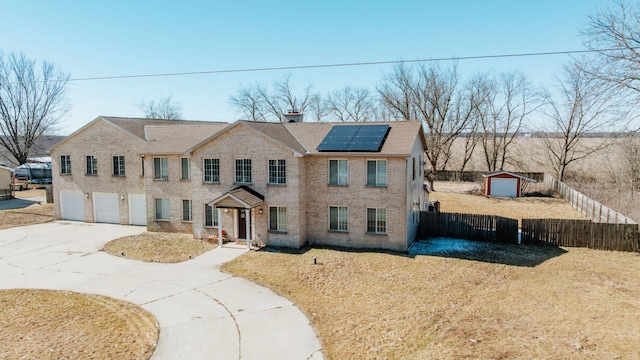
[72, 205]
[138, 209]
[106, 208]
[505, 184]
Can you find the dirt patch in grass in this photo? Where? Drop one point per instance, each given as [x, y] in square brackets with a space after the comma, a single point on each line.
[158, 247]
[33, 192]
[34, 214]
[48, 324]
[456, 199]
[581, 304]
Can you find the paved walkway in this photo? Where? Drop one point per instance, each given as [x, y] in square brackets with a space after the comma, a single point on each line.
[203, 313]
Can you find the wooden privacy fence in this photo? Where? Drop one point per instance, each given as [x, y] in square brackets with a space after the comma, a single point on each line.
[469, 226]
[581, 233]
[589, 207]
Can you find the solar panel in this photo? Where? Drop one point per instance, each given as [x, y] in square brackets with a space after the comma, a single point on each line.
[369, 138]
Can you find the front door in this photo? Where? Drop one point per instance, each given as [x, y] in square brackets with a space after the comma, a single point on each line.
[242, 223]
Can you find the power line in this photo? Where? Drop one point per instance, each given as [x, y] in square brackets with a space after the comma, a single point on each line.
[317, 66]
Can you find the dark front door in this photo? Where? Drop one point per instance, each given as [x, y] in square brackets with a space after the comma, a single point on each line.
[242, 224]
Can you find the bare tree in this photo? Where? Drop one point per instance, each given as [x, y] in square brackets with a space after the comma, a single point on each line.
[435, 97]
[33, 100]
[581, 107]
[164, 108]
[508, 101]
[262, 104]
[249, 100]
[318, 108]
[352, 104]
[616, 27]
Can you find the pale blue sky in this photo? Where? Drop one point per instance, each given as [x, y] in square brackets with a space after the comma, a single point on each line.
[90, 38]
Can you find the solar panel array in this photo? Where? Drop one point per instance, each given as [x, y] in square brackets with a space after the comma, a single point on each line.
[368, 138]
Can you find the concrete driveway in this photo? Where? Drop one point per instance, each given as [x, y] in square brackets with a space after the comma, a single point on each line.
[203, 313]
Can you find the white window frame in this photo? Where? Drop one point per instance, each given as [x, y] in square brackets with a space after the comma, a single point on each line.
[243, 171]
[378, 181]
[164, 209]
[118, 165]
[185, 174]
[340, 180]
[281, 218]
[91, 165]
[65, 164]
[187, 210]
[214, 216]
[380, 226]
[277, 171]
[161, 171]
[213, 172]
[339, 219]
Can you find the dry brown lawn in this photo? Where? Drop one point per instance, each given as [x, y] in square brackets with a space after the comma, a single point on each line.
[453, 199]
[34, 214]
[47, 324]
[158, 247]
[32, 192]
[583, 304]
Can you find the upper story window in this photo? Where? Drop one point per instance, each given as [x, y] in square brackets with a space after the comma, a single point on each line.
[185, 168]
[376, 172]
[243, 171]
[91, 165]
[118, 166]
[377, 220]
[414, 168]
[65, 164]
[277, 172]
[338, 172]
[211, 171]
[160, 168]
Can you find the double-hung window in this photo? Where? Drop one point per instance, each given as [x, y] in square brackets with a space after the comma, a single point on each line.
[277, 172]
[160, 168]
[243, 171]
[338, 218]
[376, 172]
[185, 169]
[118, 166]
[211, 170]
[377, 220]
[186, 210]
[162, 209]
[338, 172]
[277, 218]
[91, 165]
[210, 216]
[65, 164]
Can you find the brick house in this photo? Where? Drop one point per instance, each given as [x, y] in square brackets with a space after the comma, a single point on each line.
[282, 184]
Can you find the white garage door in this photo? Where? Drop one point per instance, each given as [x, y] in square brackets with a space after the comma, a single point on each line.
[504, 187]
[72, 205]
[106, 207]
[137, 209]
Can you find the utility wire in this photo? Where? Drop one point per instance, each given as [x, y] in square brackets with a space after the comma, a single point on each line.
[317, 66]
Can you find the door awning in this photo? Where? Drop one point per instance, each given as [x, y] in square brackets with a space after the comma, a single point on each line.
[239, 197]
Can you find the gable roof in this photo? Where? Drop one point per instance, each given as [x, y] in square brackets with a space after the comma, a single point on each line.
[504, 172]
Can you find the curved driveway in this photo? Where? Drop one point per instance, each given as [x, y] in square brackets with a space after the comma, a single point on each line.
[203, 313]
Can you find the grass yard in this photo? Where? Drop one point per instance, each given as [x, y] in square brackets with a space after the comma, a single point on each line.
[34, 214]
[158, 247]
[47, 324]
[459, 201]
[364, 305]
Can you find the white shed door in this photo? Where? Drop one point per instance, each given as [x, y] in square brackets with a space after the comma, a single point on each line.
[72, 205]
[504, 187]
[106, 207]
[137, 209]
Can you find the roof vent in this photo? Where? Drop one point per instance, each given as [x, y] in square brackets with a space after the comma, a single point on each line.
[293, 116]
